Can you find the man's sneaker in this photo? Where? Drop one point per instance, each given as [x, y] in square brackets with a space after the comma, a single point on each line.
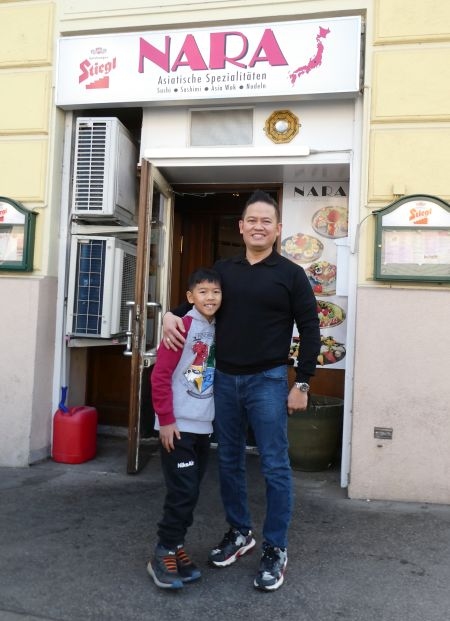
[163, 569]
[187, 570]
[233, 545]
[271, 568]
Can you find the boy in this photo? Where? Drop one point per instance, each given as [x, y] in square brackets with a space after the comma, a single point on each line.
[182, 392]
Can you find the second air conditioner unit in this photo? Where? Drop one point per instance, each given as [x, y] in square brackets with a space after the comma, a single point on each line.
[105, 171]
[102, 276]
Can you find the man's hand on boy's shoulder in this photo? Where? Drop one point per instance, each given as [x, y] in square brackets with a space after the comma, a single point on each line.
[167, 433]
[173, 329]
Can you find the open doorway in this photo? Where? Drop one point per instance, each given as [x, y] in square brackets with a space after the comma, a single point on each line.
[206, 228]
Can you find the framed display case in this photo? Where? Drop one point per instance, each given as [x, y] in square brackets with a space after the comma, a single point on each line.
[413, 240]
[17, 229]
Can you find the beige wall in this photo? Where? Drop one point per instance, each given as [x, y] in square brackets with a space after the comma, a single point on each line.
[410, 115]
[85, 16]
[26, 115]
[27, 321]
[27, 338]
[26, 45]
[401, 383]
[400, 370]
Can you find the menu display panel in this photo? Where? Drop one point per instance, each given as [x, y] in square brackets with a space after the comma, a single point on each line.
[413, 240]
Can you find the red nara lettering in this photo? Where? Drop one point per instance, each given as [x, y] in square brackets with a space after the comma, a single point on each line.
[269, 45]
[218, 46]
[189, 54]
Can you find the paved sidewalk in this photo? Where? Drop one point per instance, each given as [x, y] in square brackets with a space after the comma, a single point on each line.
[74, 541]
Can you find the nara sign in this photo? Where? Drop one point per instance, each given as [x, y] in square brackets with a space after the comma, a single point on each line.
[287, 59]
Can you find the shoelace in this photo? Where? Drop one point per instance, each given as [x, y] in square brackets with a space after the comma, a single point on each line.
[269, 557]
[171, 563]
[183, 558]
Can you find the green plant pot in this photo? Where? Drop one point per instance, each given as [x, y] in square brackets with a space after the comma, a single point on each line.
[315, 434]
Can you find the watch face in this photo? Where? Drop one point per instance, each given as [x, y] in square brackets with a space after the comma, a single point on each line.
[303, 386]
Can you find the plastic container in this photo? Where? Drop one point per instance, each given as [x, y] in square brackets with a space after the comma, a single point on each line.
[315, 434]
[75, 435]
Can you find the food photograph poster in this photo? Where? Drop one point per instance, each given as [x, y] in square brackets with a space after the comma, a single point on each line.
[315, 215]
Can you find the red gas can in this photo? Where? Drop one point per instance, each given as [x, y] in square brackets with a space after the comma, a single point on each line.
[75, 435]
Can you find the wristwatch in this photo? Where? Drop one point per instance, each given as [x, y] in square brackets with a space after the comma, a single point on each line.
[302, 386]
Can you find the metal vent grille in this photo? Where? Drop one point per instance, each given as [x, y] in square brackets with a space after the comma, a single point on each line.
[90, 162]
[101, 281]
[128, 286]
[211, 128]
[89, 282]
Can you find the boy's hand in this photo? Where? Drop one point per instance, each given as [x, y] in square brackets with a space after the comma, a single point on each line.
[166, 435]
[173, 331]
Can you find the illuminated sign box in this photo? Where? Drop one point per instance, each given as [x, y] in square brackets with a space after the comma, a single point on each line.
[413, 240]
[305, 58]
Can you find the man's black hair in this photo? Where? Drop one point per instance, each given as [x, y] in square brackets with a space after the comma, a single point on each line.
[259, 196]
[203, 274]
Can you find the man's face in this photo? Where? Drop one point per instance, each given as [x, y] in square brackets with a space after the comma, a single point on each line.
[259, 227]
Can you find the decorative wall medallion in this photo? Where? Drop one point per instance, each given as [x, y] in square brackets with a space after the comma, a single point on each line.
[282, 126]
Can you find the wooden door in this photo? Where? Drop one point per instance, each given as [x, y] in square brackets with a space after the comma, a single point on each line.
[153, 269]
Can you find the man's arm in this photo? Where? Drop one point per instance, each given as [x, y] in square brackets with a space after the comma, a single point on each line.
[307, 321]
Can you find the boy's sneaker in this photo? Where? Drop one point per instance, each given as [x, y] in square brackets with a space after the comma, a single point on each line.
[233, 545]
[163, 569]
[187, 570]
[271, 568]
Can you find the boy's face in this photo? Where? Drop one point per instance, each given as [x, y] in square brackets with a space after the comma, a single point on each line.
[206, 297]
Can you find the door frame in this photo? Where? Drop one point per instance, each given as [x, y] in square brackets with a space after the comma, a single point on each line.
[179, 158]
[151, 179]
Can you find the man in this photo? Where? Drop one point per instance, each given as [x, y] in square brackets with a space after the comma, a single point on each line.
[263, 295]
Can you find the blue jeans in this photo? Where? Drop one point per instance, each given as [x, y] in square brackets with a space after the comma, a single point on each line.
[257, 400]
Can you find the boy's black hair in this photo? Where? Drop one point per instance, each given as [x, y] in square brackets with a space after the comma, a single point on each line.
[201, 274]
[259, 196]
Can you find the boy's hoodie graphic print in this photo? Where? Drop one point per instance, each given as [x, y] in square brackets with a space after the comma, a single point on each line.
[200, 374]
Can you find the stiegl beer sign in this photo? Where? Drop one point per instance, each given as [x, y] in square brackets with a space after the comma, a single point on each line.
[314, 57]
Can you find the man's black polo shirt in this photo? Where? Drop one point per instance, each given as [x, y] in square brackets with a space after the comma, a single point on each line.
[259, 306]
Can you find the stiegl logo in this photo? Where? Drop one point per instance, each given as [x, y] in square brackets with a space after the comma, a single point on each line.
[419, 215]
[96, 69]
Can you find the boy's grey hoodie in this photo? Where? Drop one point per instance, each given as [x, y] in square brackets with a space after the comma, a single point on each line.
[182, 381]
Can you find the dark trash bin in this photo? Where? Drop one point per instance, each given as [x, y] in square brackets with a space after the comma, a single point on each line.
[315, 434]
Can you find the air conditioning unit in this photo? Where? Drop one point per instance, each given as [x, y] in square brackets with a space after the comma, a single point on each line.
[101, 280]
[104, 177]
